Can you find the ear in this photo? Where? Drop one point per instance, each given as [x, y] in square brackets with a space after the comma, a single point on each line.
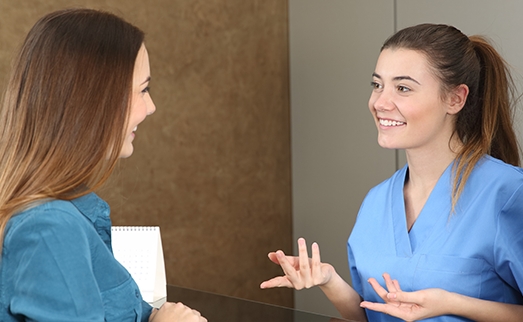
[457, 98]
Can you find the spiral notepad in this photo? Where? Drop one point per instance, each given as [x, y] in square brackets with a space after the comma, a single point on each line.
[139, 250]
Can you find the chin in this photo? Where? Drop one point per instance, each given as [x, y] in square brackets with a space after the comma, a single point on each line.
[388, 145]
[126, 152]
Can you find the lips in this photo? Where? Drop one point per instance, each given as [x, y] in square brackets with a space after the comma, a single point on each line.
[132, 135]
[391, 123]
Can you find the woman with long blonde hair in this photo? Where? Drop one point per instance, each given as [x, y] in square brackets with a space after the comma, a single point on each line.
[78, 90]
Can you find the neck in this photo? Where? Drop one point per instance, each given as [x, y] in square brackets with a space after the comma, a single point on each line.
[427, 165]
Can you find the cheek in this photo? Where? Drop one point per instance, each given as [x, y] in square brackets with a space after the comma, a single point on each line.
[138, 112]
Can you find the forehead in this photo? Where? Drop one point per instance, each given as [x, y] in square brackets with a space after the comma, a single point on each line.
[403, 62]
[141, 65]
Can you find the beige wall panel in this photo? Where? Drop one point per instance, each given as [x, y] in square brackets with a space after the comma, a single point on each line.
[212, 166]
[336, 159]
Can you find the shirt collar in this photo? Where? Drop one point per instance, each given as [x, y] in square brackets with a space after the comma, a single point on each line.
[92, 206]
[97, 211]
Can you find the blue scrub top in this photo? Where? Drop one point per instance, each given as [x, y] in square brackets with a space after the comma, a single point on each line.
[476, 251]
[57, 265]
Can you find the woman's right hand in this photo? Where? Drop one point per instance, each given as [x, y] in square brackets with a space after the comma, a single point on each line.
[302, 271]
[170, 312]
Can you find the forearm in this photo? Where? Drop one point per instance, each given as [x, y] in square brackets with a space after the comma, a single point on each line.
[153, 313]
[345, 299]
[482, 310]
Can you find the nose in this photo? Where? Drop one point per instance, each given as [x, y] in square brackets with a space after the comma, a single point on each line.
[151, 108]
[382, 101]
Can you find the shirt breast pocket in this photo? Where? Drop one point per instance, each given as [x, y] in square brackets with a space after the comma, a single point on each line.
[123, 303]
[454, 274]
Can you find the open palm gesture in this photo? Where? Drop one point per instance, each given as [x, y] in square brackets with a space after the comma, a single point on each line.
[300, 271]
[409, 306]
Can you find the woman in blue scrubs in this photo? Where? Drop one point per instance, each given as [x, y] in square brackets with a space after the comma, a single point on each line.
[78, 90]
[442, 239]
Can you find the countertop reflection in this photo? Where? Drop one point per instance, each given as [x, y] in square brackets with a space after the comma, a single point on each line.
[221, 308]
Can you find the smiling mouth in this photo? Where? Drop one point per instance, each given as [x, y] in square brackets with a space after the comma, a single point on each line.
[391, 123]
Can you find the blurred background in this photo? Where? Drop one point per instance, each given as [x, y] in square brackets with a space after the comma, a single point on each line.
[262, 132]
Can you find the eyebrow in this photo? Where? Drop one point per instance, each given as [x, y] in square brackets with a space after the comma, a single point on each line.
[147, 80]
[397, 78]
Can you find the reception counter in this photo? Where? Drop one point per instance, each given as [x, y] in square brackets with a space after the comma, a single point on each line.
[221, 308]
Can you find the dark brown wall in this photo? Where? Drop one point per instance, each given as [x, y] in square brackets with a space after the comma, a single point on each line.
[212, 166]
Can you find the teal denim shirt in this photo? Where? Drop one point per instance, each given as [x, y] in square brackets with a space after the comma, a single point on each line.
[57, 265]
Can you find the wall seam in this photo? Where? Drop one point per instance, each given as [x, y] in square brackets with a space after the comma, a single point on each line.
[395, 29]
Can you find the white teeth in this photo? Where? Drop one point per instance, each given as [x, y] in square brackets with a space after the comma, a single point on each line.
[135, 128]
[391, 123]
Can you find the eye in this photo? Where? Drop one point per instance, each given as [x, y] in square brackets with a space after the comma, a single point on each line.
[146, 90]
[403, 89]
[376, 85]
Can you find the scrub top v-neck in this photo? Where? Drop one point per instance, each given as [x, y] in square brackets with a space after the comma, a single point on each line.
[476, 251]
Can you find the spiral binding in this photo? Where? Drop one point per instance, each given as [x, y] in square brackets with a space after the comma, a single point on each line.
[134, 228]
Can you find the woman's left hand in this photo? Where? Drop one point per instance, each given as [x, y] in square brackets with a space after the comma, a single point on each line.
[409, 306]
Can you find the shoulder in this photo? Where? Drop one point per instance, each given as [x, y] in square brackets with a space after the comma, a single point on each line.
[489, 163]
[51, 219]
[497, 186]
[496, 175]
